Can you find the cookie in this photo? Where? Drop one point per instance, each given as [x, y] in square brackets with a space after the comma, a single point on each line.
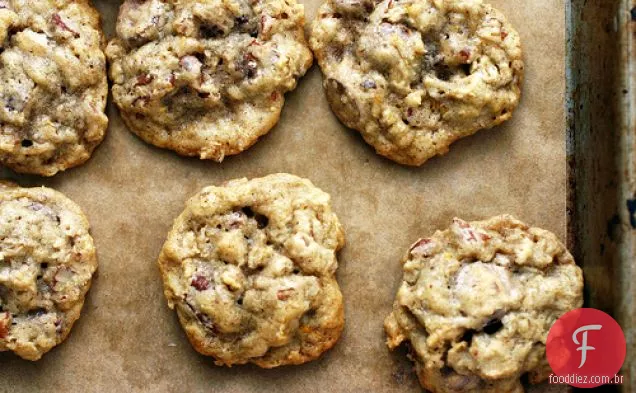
[53, 84]
[413, 76]
[477, 301]
[250, 268]
[47, 260]
[206, 78]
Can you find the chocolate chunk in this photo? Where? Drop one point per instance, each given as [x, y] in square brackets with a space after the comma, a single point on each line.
[493, 326]
[212, 31]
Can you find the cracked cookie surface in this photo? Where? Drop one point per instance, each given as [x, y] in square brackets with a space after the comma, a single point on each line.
[413, 76]
[250, 268]
[477, 301]
[206, 78]
[53, 84]
[47, 260]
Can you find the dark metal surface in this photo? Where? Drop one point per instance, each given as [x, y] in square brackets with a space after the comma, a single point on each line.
[601, 161]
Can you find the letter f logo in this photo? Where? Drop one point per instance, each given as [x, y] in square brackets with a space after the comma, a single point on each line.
[583, 346]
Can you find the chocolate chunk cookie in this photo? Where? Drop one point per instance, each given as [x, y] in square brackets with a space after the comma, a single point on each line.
[250, 268]
[477, 301]
[53, 84]
[206, 78]
[413, 76]
[47, 260]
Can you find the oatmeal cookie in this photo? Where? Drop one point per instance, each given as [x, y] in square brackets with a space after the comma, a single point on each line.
[53, 84]
[477, 301]
[250, 268]
[47, 260]
[413, 76]
[206, 78]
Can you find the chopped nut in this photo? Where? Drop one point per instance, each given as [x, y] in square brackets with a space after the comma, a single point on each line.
[263, 23]
[422, 247]
[144, 79]
[461, 223]
[4, 324]
[248, 65]
[465, 55]
[57, 19]
[200, 283]
[284, 294]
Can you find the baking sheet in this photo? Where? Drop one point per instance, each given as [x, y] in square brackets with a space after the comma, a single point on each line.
[602, 158]
[127, 338]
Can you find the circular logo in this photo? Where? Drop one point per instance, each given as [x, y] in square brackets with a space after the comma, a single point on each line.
[586, 348]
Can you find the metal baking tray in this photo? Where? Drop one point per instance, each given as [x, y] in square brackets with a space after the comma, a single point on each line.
[601, 155]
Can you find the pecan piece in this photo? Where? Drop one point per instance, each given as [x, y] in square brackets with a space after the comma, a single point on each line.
[284, 294]
[5, 322]
[461, 223]
[465, 55]
[59, 22]
[200, 283]
[144, 79]
[422, 247]
[249, 65]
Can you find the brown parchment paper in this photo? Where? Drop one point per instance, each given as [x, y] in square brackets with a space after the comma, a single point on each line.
[128, 340]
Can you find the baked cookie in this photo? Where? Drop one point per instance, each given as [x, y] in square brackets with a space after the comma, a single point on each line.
[413, 76]
[477, 301]
[47, 260]
[250, 268]
[53, 84]
[206, 78]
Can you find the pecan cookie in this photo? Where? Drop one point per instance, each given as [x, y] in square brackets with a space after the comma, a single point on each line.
[413, 76]
[250, 267]
[206, 78]
[53, 84]
[47, 260]
[477, 301]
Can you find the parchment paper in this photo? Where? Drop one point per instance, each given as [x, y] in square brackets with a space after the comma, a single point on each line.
[128, 340]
